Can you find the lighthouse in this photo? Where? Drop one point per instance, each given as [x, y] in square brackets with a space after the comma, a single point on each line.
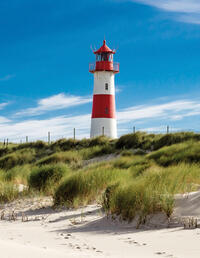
[103, 120]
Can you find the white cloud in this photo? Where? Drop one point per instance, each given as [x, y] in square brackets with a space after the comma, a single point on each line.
[187, 10]
[158, 129]
[168, 110]
[4, 120]
[7, 77]
[56, 102]
[3, 105]
[182, 6]
[62, 126]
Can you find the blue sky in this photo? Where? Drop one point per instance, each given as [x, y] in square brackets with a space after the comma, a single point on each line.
[45, 50]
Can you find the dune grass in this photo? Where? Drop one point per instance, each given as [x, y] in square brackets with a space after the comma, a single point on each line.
[86, 186]
[151, 191]
[133, 185]
[154, 141]
[70, 157]
[17, 158]
[47, 177]
[18, 174]
[188, 152]
[8, 192]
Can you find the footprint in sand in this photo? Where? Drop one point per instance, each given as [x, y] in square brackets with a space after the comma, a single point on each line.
[160, 253]
[131, 241]
[166, 255]
[98, 251]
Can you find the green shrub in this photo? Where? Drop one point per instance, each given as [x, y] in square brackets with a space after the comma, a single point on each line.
[46, 178]
[70, 157]
[128, 141]
[139, 140]
[18, 174]
[99, 141]
[151, 191]
[17, 158]
[69, 144]
[188, 152]
[174, 138]
[38, 145]
[126, 162]
[8, 192]
[134, 199]
[84, 187]
[96, 151]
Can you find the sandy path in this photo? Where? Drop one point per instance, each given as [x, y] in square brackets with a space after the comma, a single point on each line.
[87, 233]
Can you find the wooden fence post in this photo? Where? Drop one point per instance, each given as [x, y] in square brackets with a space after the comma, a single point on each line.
[74, 134]
[49, 137]
[167, 129]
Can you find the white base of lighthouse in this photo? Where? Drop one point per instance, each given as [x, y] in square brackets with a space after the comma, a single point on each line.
[103, 126]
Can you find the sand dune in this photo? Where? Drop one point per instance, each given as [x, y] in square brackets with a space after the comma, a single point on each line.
[86, 232]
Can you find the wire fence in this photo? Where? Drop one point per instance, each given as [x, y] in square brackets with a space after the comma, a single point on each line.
[76, 134]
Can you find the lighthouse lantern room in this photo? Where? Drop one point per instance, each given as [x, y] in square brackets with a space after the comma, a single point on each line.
[103, 110]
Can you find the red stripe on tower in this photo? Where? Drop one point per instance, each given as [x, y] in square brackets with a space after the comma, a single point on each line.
[103, 106]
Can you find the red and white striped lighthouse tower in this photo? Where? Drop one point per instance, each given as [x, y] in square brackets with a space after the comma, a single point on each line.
[103, 110]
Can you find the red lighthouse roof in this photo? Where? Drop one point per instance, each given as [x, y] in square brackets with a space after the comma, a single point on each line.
[104, 49]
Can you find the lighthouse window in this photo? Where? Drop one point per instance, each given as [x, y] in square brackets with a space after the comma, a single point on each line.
[106, 86]
[98, 58]
[105, 56]
[106, 111]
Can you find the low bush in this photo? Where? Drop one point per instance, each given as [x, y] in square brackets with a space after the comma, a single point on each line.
[18, 174]
[69, 157]
[17, 158]
[47, 177]
[8, 192]
[174, 138]
[133, 199]
[96, 151]
[188, 152]
[69, 144]
[84, 187]
[139, 140]
[126, 162]
[128, 141]
[150, 192]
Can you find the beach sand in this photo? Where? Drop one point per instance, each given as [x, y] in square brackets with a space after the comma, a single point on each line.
[86, 232]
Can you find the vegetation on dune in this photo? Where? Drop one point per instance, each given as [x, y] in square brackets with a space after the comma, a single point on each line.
[188, 152]
[47, 177]
[69, 157]
[86, 186]
[8, 192]
[151, 142]
[143, 178]
[18, 174]
[69, 144]
[17, 158]
[150, 192]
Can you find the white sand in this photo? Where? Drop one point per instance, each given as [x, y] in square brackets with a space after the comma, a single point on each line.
[87, 233]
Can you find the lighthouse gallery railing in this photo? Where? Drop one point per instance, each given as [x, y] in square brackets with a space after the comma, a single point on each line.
[92, 67]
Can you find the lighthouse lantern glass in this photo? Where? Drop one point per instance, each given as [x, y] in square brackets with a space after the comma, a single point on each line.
[104, 57]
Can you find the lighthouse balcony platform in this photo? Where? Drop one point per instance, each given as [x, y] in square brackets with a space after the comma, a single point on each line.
[104, 66]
